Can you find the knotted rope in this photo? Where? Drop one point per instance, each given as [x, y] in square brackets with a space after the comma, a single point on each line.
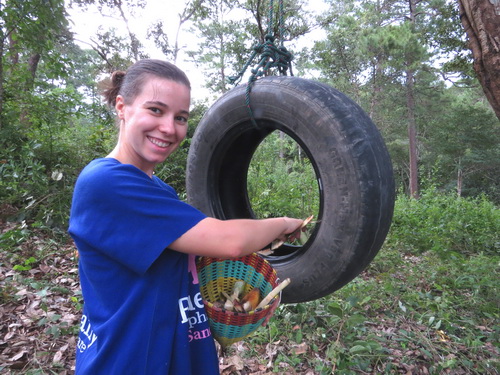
[271, 56]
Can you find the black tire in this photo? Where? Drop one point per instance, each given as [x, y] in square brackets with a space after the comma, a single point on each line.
[349, 157]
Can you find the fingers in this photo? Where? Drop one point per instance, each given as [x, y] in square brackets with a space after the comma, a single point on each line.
[292, 233]
[292, 225]
[297, 233]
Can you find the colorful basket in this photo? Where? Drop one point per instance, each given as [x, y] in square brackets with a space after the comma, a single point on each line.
[219, 275]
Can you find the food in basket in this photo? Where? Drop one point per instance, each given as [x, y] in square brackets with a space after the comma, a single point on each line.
[245, 304]
[235, 295]
[273, 293]
[250, 301]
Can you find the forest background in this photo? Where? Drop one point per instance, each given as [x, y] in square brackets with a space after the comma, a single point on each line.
[406, 62]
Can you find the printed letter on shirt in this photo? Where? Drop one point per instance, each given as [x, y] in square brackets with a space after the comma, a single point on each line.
[87, 336]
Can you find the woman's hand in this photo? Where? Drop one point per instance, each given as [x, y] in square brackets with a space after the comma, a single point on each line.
[295, 233]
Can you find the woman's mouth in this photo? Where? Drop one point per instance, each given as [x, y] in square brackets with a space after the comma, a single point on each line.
[159, 142]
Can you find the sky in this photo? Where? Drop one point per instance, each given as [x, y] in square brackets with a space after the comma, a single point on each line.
[85, 24]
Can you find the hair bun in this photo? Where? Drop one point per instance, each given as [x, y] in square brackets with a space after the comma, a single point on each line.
[110, 87]
[117, 78]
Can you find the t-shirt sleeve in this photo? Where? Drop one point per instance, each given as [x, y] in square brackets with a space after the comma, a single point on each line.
[130, 217]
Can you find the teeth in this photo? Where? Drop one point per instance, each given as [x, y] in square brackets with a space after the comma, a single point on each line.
[158, 142]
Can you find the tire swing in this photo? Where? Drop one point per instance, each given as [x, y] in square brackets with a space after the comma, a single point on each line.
[351, 163]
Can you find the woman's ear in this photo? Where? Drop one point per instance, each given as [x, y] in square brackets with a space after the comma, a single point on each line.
[119, 106]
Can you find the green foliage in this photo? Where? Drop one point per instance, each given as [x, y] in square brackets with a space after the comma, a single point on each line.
[33, 24]
[116, 51]
[367, 51]
[11, 240]
[336, 57]
[281, 180]
[53, 122]
[222, 49]
[430, 298]
[445, 224]
[462, 146]
[397, 47]
[38, 177]
[37, 107]
[26, 266]
[227, 30]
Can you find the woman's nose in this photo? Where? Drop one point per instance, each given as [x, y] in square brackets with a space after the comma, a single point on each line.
[167, 125]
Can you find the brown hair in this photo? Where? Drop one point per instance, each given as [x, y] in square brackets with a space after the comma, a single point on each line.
[129, 84]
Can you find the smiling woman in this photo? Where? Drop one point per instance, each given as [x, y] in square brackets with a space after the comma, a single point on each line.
[137, 241]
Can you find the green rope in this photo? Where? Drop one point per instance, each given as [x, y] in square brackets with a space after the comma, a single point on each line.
[271, 56]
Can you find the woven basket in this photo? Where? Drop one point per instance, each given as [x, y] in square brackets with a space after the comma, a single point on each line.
[219, 275]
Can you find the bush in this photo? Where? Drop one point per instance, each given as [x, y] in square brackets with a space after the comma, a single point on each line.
[446, 224]
[281, 180]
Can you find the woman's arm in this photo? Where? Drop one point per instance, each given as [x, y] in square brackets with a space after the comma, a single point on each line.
[233, 238]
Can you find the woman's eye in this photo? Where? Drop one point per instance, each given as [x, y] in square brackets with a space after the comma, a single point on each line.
[155, 110]
[182, 119]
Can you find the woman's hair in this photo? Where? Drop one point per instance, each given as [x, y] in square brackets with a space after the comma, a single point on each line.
[129, 84]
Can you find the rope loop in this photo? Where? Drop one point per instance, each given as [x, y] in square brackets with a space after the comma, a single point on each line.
[269, 38]
[271, 56]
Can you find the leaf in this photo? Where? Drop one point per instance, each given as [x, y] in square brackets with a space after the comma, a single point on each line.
[366, 300]
[358, 349]
[18, 356]
[427, 355]
[55, 317]
[401, 306]
[335, 309]
[356, 319]
[298, 336]
[353, 300]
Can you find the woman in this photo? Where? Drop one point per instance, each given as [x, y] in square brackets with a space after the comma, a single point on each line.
[137, 242]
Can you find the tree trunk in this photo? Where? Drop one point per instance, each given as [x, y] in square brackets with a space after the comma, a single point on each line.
[376, 89]
[33, 62]
[481, 21]
[410, 106]
[1, 79]
[412, 134]
[459, 181]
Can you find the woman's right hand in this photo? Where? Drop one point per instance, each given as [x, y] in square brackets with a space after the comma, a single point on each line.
[293, 229]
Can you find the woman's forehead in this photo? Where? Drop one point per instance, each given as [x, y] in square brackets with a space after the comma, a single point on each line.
[165, 90]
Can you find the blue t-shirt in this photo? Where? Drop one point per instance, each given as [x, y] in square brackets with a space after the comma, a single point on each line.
[143, 312]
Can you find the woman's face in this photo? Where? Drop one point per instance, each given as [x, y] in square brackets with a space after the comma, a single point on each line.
[154, 125]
